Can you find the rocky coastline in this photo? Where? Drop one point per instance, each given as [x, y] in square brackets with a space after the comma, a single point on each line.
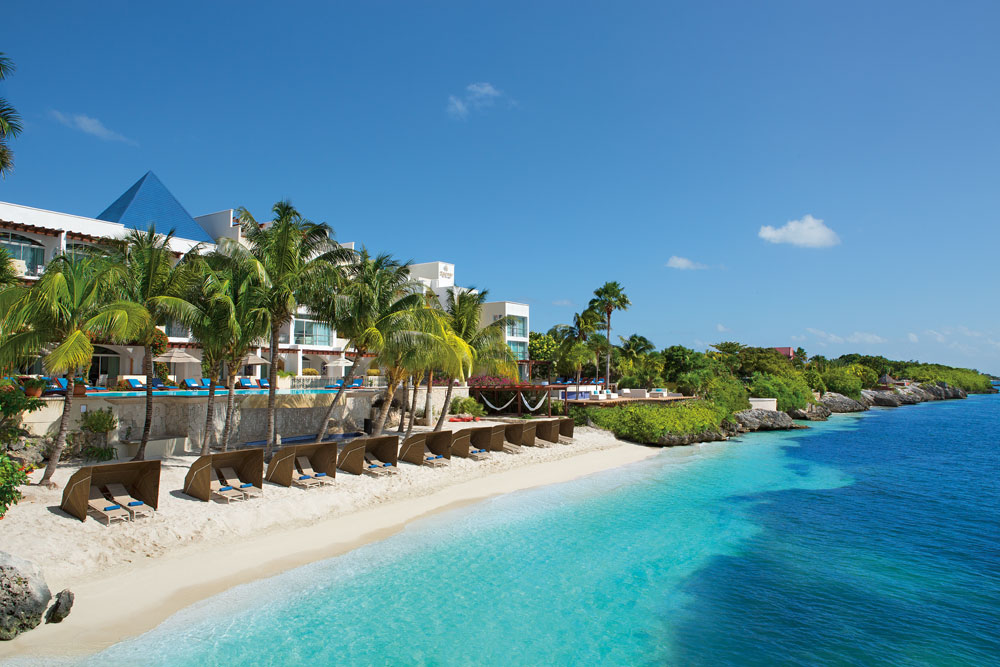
[750, 421]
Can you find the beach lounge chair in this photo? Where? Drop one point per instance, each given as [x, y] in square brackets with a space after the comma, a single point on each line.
[461, 446]
[376, 467]
[158, 384]
[192, 384]
[102, 508]
[415, 450]
[335, 385]
[247, 383]
[225, 492]
[206, 383]
[135, 384]
[136, 508]
[55, 387]
[231, 478]
[358, 382]
[547, 430]
[305, 467]
[264, 383]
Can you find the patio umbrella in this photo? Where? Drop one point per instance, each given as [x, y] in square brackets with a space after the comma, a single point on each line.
[177, 356]
[254, 360]
[339, 362]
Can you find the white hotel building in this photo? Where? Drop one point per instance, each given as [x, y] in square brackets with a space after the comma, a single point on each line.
[33, 237]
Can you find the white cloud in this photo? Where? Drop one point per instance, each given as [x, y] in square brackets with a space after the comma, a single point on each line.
[825, 337]
[912, 337]
[865, 337]
[684, 264]
[91, 126]
[476, 96]
[936, 335]
[562, 302]
[966, 331]
[797, 339]
[721, 328]
[809, 232]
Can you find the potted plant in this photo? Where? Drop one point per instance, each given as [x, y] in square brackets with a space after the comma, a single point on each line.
[80, 386]
[33, 387]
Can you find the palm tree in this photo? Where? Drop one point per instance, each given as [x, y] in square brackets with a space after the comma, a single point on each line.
[634, 348]
[582, 331]
[70, 304]
[8, 276]
[368, 309]
[150, 277]
[293, 254]
[490, 352]
[10, 121]
[608, 298]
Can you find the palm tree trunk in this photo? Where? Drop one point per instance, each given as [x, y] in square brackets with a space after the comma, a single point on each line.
[148, 424]
[60, 442]
[206, 442]
[348, 378]
[272, 379]
[579, 370]
[390, 391]
[427, 401]
[447, 404]
[607, 367]
[405, 403]
[227, 431]
[413, 407]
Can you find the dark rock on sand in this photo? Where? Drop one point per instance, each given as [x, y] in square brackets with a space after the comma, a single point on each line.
[24, 595]
[837, 403]
[764, 420]
[815, 412]
[61, 608]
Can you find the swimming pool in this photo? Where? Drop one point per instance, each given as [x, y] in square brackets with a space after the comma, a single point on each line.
[192, 393]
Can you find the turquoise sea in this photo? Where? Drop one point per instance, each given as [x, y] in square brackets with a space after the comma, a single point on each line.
[871, 539]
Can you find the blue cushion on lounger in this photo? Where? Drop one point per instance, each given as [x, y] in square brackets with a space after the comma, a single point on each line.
[136, 503]
[226, 488]
[320, 474]
[246, 485]
[305, 476]
[386, 465]
[112, 507]
[374, 465]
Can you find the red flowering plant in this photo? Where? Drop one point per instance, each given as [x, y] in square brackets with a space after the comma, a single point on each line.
[489, 381]
[12, 476]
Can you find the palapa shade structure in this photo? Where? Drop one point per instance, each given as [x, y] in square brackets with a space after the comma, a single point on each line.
[521, 433]
[248, 464]
[322, 457]
[254, 360]
[489, 438]
[413, 448]
[140, 478]
[385, 448]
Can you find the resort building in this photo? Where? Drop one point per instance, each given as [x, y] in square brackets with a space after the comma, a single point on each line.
[33, 237]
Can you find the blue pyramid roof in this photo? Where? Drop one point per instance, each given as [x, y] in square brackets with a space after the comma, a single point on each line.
[149, 202]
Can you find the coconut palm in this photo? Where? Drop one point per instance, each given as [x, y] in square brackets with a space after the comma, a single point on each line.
[490, 352]
[293, 254]
[634, 348]
[8, 275]
[608, 298]
[72, 303]
[151, 277]
[10, 121]
[370, 307]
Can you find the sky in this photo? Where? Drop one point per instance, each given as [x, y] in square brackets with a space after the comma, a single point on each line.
[778, 173]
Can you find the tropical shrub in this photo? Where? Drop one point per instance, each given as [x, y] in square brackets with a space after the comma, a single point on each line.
[99, 421]
[12, 476]
[647, 423]
[842, 381]
[13, 405]
[814, 379]
[467, 405]
[728, 394]
[792, 391]
[868, 376]
[310, 372]
[489, 381]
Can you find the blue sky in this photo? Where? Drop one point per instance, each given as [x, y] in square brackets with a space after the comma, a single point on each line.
[548, 147]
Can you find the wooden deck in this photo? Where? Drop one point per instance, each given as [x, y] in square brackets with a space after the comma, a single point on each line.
[623, 401]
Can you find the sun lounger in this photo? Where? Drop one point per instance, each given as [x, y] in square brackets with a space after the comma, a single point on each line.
[264, 383]
[377, 466]
[247, 383]
[192, 384]
[461, 446]
[225, 492]
[306, 468]
[134, 507]
[158, 384]
[231, 478]
[206, 383]
[102, 508]
[135, 384]
[547, 430]
[414, 450]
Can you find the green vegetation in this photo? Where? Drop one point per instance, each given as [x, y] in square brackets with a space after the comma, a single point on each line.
[842, 381]
[647, 423]
[10, 123]
[792, 392]
[466, 405]
[12, 476]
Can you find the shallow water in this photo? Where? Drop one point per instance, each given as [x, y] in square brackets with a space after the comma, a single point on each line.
[869, 539]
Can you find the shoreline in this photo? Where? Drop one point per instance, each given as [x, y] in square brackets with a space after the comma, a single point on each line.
[108, 611]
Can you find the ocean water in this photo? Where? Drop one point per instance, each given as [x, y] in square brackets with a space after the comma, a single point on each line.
[871, 539]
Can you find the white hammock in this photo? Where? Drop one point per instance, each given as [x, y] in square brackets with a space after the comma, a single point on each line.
[532, 409]
[501, 408]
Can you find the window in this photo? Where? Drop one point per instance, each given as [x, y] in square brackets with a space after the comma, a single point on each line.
[177, 330]
[308, 332]
[105, 362]
[519, 348]
[32, 253]
[517, 327]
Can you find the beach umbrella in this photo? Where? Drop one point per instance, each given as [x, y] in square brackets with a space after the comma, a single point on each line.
[339, 362]
[177, 356]
[254, 360]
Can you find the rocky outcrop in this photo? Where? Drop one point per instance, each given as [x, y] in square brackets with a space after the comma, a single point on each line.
[815, 412]
[24, 595]
[61, 607]
[671, 440]
[838, 403]
[763, 420]
[882, 398]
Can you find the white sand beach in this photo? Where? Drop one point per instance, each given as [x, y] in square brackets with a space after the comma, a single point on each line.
[129, 577]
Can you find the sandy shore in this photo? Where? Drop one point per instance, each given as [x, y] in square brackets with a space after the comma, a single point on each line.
[130, 577]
